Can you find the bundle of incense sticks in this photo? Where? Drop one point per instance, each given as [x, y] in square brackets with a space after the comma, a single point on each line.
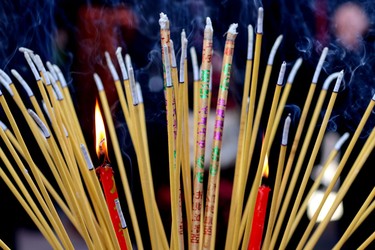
[255, 220]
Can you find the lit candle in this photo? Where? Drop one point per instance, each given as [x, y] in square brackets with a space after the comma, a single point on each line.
[259, 212]
[107, 179]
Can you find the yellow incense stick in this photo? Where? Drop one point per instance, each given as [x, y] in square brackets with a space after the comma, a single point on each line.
[340, 167]
[358, 164]
[301, 158]
[258, 175]
[312, 159]
[280, 167]
[350, 228]
[317, 182]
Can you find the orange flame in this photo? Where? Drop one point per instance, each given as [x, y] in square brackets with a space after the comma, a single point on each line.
[100, 140]
[266, 169]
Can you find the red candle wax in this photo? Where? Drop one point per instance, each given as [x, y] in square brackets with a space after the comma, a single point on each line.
[110, 192]
[258, 218]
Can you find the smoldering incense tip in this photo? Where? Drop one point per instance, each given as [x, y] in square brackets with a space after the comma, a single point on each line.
[163, 21]
[60, 76]
[98, 81]
[341, 141]
[284, 140]
[250, 42]
[32, 66]
[22, 82]
[40, 123]
[280, 80]
[173, 55]
[260, 20]
[121, 62]
[111, 66]
[194, 62]
[209, 24]
[294, 70]
[233, 28]
[320, 65]
[338, 81]
[329, 79]
[275, 46]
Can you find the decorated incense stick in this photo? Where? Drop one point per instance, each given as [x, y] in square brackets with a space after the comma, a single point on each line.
[244, 109]
[63, 147]
[213, 181]
[200, 143]
[236, 208]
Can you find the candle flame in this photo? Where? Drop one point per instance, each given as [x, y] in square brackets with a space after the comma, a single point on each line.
[100, 140]
[266, 169]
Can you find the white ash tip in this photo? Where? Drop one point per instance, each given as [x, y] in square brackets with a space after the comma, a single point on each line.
[121, 63]
[5, 76]
[250, 42]
[194, 62]
[40, 123]
[25, 50]
[5, 83]
[86, 155]
[373, 97]
[209, 24]
[32, 66]
[139, 92]
[56, 88]
[111, 66]
[274, 49]
[284, 140]
[22, 82]
[163, 21]
[233, 28]
[60, 76]
[99, 83]
[329, 79]
[280, 80]
[338, 81]
[341, 141]
[128, 61]
[294, 70]
[183, 34]
[320, 65]
[52, 70]
[3, 126]
[40, 66]
[260, 20]
[173, 55]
